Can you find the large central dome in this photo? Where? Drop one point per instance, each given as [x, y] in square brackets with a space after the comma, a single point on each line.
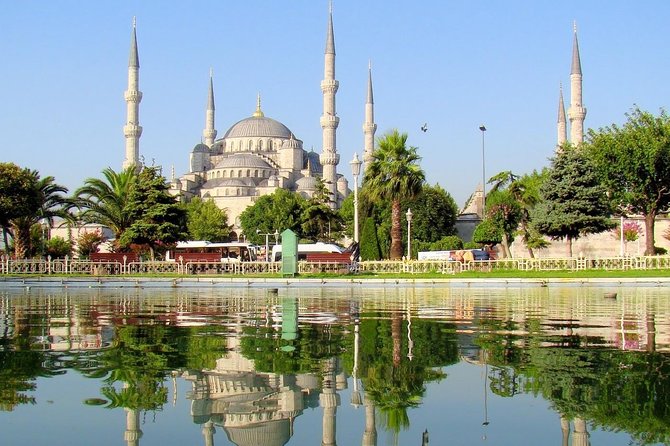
[258, 126]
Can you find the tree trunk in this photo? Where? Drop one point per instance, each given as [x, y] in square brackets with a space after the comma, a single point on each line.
[396, 332]
[396, 232]
[21, 241]
[505, 246]
[568, 245]
[649, 221]
[4, 237]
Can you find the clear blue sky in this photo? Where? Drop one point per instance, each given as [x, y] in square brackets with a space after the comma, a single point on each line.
[452, 64]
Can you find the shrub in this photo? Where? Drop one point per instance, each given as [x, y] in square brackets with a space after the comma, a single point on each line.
[58, 247]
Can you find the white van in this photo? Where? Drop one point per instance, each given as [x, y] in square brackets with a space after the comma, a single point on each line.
[307, 248]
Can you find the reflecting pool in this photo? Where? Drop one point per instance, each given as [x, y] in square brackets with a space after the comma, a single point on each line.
[309, 366]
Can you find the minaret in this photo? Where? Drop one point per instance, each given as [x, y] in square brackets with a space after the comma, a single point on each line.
[132, 130]
[562, 122]
[329, 121]
[577, 112]
[209, 134]
[369, 126]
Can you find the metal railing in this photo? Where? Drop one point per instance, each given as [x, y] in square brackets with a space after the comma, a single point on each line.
[84, 267]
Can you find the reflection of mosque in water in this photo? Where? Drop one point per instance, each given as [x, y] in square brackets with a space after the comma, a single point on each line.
[254, 407]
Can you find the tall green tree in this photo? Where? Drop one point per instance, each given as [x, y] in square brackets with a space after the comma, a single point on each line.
[278, 211]
[104, 200]
[435, 213]
[320, 222]
[574, 203]
[206, 221]
[633, 162]
[52, 204]
[19, 196]
[394, 175]
[158, 220]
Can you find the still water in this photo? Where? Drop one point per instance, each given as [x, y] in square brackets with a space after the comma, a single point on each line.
[364, 366]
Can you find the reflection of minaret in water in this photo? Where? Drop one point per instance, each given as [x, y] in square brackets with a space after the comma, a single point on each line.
[133, 432]
[208, 431]
[580, 436]
[370, 434]
[565, 430]
[329, 400]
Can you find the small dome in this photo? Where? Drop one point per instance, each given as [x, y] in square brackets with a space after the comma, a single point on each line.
[243, 160]
[200, 148]
[306, 183]
[314, 161]
[258, 126]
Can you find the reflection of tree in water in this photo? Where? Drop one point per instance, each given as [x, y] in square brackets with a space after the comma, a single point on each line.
[273, 354]
[615, 390]
[391, 380]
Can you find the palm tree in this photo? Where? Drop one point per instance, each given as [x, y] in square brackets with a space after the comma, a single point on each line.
[394, 175]
[525, 190]
[104, 201]
[52, 204]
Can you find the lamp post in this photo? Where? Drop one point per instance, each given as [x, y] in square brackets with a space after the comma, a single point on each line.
[409, 216]
[267, 241]
[356, 170]
[483, 129]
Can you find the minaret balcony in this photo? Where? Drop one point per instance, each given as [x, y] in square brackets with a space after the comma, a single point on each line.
[132, 95]
[132, 130]
[329, 86]
[369, 127]
[577, 113]
[329, 121]
[329, 158]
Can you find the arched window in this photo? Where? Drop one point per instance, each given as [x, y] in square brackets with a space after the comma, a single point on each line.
[224, 174]
[256, 173]
[260, 144]
[238, 191]
[269, 145]
[251, 145]
[239, 174]
[248, 173]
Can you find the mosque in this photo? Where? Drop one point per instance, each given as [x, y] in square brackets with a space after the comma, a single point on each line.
[258, 154]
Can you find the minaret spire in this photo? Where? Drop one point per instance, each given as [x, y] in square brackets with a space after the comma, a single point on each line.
[562, 122]
[209, 134]
[329, 121]
[132, 130]
[369, 126]
[577, 111]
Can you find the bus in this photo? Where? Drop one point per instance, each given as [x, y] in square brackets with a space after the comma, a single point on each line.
[307, 248]
[205, 251]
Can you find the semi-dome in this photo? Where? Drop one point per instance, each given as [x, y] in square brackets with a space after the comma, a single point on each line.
[307, 183]
[258, 127]
[200, 148]
[243, 160]
[224, 182]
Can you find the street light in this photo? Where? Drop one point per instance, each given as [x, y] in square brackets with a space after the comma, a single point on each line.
[356, 170]
[483, 129]
[409, 216]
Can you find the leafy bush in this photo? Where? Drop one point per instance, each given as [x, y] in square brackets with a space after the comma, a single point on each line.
[58, 247]
[88, 242]
[447, 243]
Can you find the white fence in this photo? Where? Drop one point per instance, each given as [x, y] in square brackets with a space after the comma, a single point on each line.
[80, 267]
